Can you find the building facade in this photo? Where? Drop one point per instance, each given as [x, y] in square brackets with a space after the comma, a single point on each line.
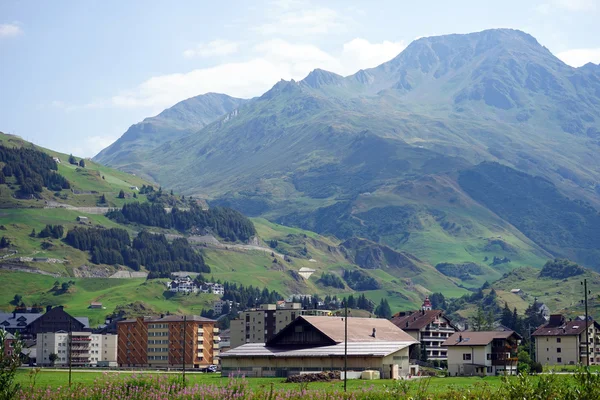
[86, 349]
[183, 285]
[482, 353]
[563, 342]
[56, 319]
[167, 341]
[262, 324]
[429, 327]
[315, 343]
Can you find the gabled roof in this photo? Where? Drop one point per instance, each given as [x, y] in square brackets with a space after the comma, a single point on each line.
[480, 338]
[18, 320]
[417, 320]
[568, 328]
[169, 318]
[355, 349]
[359, 329]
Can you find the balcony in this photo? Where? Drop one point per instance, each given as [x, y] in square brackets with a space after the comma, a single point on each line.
[81, 339]
[433, 338]
[215, 330]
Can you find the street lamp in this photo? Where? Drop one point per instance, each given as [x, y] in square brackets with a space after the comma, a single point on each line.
[587, 334]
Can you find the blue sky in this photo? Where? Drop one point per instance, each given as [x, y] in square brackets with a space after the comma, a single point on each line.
[74, 75]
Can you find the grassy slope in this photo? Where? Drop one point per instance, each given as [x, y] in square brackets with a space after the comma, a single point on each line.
[35, 289]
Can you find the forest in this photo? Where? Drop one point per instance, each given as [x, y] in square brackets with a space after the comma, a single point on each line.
[226, 223]
[153, 251]
[32, 169]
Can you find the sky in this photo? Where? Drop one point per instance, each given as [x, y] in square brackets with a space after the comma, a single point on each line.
[74, 75]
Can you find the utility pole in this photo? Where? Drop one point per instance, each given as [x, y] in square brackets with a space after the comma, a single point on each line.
[587, 333]
[70, 345]
[346, 344]
[184, 324]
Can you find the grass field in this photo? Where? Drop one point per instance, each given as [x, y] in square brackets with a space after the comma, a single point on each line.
[54, 378]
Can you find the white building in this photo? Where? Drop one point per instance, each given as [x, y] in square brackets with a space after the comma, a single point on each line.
[86, 348]
[482, 353]
[215, 288]
[183, 285]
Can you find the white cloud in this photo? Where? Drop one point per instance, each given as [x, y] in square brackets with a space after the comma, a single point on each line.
[360, 53]
[217, 47]
[93, 145]
[579, 57]
[273, 60]
[569, 5]
[9, 30]
[301, 18]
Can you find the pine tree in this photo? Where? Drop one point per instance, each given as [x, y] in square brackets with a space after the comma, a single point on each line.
[32, 234]
[121, 194]
[507, 317]
[72, 160]
[82, 163]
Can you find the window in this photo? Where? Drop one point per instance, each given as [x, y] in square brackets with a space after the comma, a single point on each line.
[558, 350]
[557, 340]
[559, 360]
[489, 370]
[466, 356]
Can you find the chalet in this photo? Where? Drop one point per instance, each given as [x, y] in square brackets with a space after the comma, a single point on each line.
[315, 343]
[562, 342]
[429, 327]
[215, 288]
[82, 219]
[183, 285]
[95, 304]
[482, 353]
[28, 325]
[516, 291]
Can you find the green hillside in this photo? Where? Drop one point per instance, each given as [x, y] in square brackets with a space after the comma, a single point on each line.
[382, 154]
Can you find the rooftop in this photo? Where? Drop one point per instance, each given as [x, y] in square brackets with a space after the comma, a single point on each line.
[480, 338]
[355, 349]
[169, 318]
[416, 320]
[564, 329]
[359, 329]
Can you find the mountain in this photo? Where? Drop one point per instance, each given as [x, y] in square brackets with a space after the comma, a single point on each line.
[379, 154]
[185, 117]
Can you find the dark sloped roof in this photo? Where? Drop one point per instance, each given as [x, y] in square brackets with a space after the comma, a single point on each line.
[480, 338]
[566, 329]
[417, 320]
[359, 329]
[10, 321]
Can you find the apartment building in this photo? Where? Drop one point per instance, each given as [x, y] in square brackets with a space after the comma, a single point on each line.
[86, 349]
[183, 285]
[260, 325]
[429, 327]
[482, 353]
[166, 341]
[563, 342]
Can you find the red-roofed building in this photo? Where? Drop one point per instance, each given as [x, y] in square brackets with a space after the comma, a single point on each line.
[429, 327]
[563, 342]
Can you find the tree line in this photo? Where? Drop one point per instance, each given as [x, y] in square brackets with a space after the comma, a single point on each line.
[225, 222]
[153, 251]
[33, 170]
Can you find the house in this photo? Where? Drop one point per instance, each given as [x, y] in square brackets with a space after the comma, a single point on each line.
[516, 291]
[85, 348]
[82, 219]
[215, 288]
[562, 342]
[261, 324]
[183, 285]
[96, 305]
[219, 304]
[56, 160]
[134, 188]
[429, 327]
[545, 311]
[482, 353]
[316, 343]
[9, 341]
[53, 320]
[159, 342]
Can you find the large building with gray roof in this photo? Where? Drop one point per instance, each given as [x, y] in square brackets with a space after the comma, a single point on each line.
[316, 343]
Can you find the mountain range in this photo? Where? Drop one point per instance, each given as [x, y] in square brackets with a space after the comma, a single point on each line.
[478, 148]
